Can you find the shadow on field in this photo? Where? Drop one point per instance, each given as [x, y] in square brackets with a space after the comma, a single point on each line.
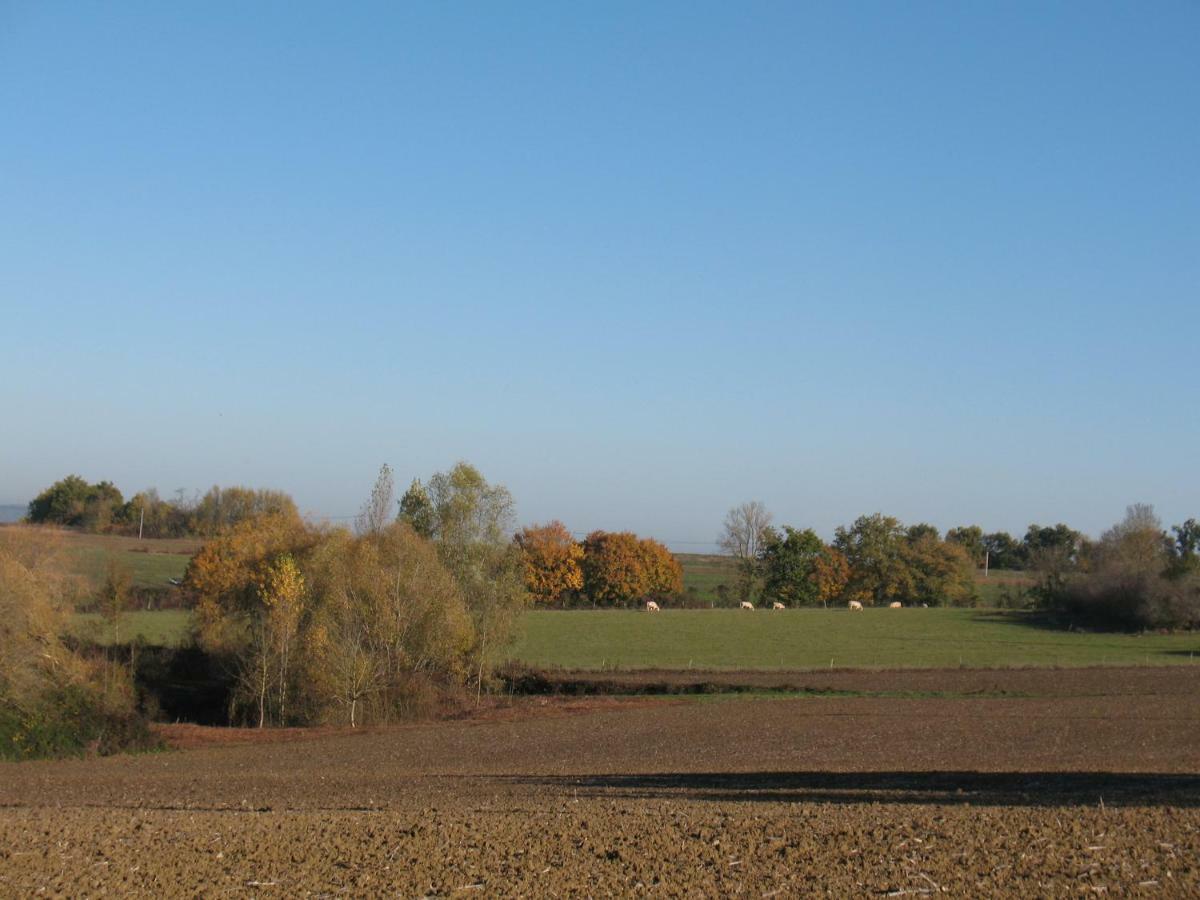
[980, 788]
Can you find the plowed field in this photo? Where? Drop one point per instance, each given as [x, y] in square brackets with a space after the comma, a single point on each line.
[1045, 785]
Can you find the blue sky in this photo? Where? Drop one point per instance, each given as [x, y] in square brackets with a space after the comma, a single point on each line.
[638, 262]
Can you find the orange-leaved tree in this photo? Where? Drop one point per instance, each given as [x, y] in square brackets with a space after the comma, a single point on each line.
[619, 568]
[550, 559]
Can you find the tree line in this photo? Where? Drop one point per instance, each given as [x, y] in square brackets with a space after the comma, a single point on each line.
[101, 508]
[1137, 574]
[875, 561]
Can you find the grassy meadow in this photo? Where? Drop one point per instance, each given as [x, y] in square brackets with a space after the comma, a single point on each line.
[817, 638]
[151, 562]
[708, 638]
[161, 628]
[792, 639]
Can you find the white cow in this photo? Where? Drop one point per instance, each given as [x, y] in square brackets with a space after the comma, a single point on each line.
[651, 606]
[895, 604]
[777, 605]
[746, 604]
[854, 604]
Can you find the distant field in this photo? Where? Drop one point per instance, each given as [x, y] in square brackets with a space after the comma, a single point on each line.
[702, 572]
[151, 562]
[816, 638]
[163, 628]
[795, 639]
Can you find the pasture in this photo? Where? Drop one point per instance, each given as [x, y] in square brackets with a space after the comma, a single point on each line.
[160, 628]
[151, 562]
[793, 639]
[834, 638]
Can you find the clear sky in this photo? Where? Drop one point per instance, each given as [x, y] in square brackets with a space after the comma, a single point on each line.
[637, 261]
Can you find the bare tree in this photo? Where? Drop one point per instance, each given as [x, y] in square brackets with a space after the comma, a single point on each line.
[375, 512]
[744, 535]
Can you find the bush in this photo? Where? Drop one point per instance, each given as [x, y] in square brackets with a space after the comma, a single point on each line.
[1132, 600]
[71, 722]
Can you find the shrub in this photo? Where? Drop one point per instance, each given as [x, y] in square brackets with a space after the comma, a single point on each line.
[1135, 600]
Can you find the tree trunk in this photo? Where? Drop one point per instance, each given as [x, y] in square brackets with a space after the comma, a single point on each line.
[262, 694]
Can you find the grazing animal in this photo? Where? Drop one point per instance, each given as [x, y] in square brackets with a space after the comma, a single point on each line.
[924, 606]
[777, 605]
[746, 604]
[651, 606]
[895, 604]
[854, 604]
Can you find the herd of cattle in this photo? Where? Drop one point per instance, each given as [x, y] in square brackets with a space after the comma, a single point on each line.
[853, 605]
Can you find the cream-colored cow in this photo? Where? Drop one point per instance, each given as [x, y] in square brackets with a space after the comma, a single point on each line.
[895, 604]
[855, 605]
[746, 604]
[777, 605]
[651, 606]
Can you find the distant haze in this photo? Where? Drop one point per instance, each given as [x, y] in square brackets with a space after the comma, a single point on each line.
[11, 513]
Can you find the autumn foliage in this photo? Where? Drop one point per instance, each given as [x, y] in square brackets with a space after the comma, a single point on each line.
[619, 568]
[323, 625]
[831, 572]
[550, 560]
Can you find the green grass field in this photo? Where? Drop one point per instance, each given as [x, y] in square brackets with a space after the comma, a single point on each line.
[794, 639]
[163, 628]
[702, 572]
[814, 638]
[151, 562]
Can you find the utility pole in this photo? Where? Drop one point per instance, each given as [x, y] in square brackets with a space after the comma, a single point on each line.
[986, 555]
[141, 521]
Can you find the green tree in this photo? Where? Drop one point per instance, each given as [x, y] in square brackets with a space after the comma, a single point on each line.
[790, 563]
[1185, 552]
[970, 538]
[941, 572]
[75, 503]
[473, 523]
[1051, 550]
[417, 509]
[922, 531]
[875, 547]
[60, 504]
[1187, 538]
[1004, 551]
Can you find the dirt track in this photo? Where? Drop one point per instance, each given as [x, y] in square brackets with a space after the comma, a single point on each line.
[839, 795]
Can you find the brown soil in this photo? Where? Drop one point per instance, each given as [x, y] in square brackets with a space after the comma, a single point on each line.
[1059, 794]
